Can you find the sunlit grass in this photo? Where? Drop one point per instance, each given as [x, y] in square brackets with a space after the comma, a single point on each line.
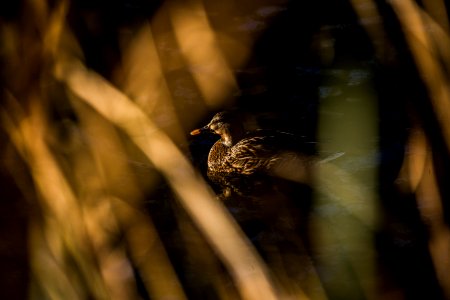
[91, 232]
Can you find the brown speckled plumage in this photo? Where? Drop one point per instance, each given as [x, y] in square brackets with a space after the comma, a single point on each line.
[246, 157]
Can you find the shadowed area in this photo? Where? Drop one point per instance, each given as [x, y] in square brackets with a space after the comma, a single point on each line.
[224, 149]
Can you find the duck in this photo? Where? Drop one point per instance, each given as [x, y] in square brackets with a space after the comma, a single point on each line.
[238, 152]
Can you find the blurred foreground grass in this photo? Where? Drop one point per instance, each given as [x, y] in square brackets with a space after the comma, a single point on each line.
[100, 196]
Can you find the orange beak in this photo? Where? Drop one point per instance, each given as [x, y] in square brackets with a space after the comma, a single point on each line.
[199, 130]
[196, 131]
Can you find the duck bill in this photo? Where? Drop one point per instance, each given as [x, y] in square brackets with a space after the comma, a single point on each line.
[196, 131]
[199, 130]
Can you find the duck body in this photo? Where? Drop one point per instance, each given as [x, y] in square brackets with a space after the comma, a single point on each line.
[240, 153]
[253, 154]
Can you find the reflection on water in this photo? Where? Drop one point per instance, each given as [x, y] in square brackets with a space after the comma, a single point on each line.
[267, 202]
[274, 215]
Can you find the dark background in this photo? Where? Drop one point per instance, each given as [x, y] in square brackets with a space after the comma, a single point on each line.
[280, 86]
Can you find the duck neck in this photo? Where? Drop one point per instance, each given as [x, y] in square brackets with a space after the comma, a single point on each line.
[227, 140]
[231, 135]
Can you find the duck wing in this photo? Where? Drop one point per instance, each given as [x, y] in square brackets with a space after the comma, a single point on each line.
[253, 154]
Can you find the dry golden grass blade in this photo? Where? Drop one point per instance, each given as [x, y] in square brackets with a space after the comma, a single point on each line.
[198, 44]
[122, 204]
[145, 83]
[71, 251]
[59, 240]
[98, 214]
[422, 178]
[39, 10]
[212, 219]
[440, 37]
[201, 257]
[115, 268]
[438, 11]
[147, 253]
[413, 168]
[62, 262]
[427, 61]
[55, 26]
[370, 18]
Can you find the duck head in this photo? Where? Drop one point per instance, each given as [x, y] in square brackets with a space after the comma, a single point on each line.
[225, 125]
